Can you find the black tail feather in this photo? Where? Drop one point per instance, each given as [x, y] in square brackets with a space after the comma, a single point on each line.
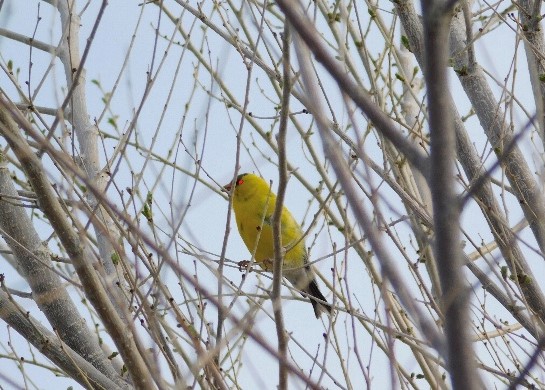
[319, 303]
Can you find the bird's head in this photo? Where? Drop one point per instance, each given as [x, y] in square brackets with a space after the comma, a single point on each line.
[246, 184]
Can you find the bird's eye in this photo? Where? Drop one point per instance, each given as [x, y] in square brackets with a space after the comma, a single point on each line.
[239, 182]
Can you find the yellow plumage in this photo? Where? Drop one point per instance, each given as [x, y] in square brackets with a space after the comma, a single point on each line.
[253, 203]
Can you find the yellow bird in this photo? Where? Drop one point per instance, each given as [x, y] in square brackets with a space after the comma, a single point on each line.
[254, 203]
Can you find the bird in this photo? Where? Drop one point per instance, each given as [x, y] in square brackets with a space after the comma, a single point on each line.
[254, 204]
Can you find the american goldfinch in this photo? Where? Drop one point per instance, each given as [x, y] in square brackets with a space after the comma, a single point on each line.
[254, 203]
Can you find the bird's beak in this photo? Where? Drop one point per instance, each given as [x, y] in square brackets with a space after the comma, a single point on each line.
[227, 188]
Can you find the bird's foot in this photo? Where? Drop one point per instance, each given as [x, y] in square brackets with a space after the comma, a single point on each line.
[267, 265]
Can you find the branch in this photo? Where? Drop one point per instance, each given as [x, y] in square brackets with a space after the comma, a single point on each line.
[277, 215]
[77, 251]
[473, 168]
[332, 152]
[33, 262]
[306, 30]
[48, 343]
[446, 209]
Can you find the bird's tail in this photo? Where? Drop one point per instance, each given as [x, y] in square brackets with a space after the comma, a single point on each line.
[319, 303]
